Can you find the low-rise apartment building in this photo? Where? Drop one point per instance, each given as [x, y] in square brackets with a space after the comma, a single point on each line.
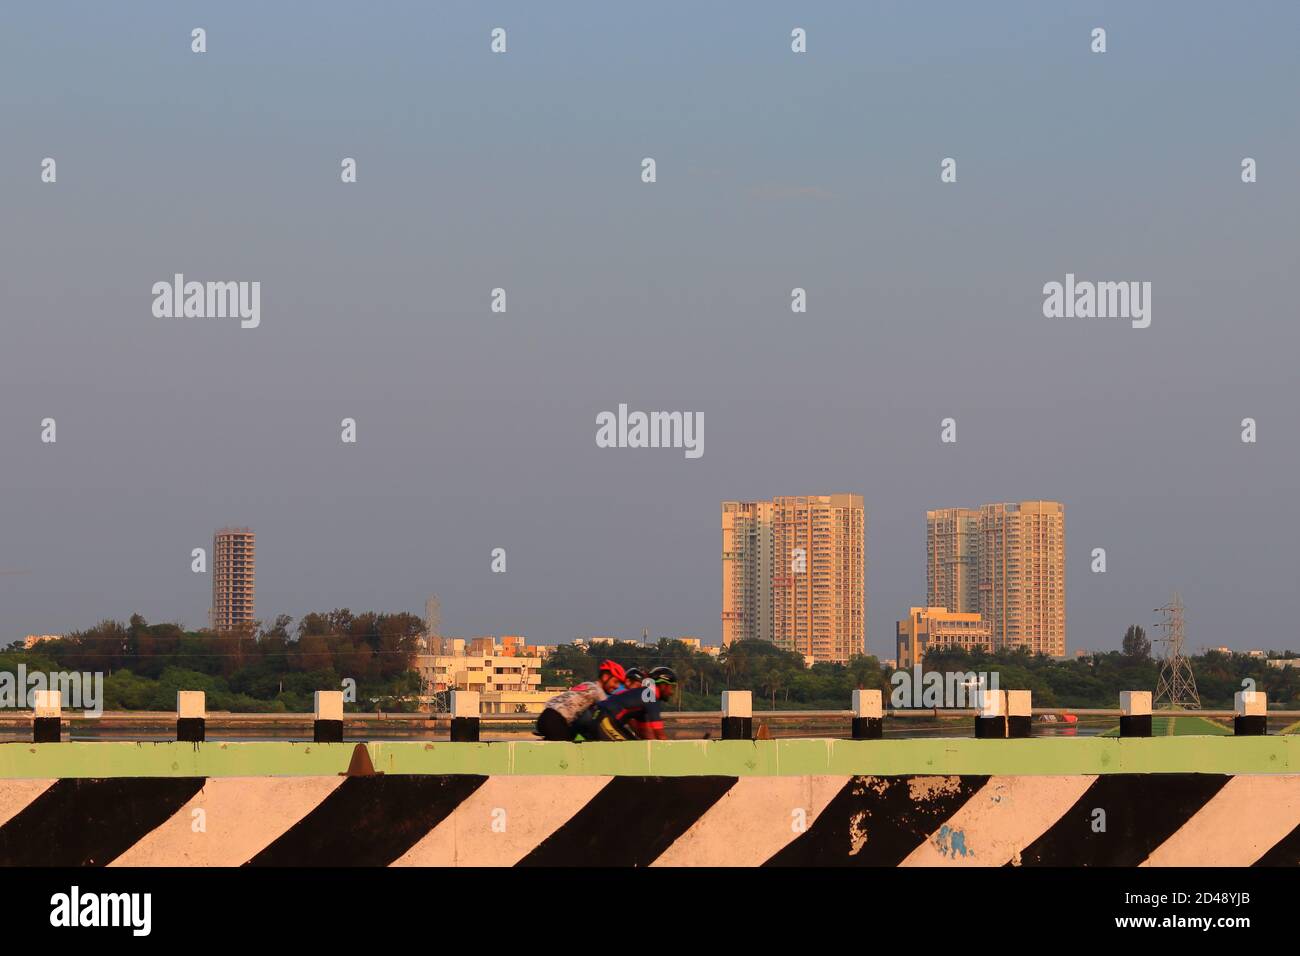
[936, 628]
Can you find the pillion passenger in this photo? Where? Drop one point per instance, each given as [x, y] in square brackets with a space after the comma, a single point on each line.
[558, 718]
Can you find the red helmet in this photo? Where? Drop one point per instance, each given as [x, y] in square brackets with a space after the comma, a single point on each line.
[614, 669]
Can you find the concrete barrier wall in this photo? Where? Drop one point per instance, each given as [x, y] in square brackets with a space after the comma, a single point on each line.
[340, 805]
[462, 819]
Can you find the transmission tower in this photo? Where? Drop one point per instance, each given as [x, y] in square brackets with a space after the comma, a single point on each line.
[1176, 687]
[432, 623]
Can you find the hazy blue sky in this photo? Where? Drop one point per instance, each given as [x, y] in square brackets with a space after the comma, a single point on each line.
[523, 171]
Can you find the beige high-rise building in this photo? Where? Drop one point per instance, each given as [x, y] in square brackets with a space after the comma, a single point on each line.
[794, 573]
[746, 571]
[1005, 562]
[952, 559]
[234, 573]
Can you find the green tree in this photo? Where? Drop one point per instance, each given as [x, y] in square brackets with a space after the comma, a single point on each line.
[1135, 643]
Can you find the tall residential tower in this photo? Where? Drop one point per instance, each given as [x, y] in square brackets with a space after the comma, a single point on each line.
[1005, 562]
[794, 573]
[234, 570]
[746, 571]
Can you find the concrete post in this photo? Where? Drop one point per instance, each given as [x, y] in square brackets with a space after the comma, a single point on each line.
[737, 715]
[991, 721]
[191, 716]
[47, 718]
[1135, 713]
[868, 715]
[327, 711]
[1020, 713]
[464, 716]
[1252, 713]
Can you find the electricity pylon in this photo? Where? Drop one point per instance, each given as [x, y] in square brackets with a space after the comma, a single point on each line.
[1176, 687]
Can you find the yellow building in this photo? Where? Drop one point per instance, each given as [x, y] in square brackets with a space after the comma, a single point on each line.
[483, 673]
[506, 684]
[936, 628]
[1005, 562]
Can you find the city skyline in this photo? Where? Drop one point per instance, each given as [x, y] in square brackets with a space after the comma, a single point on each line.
[957, 572]
[822, 539]
[476, 430]
[953, 537]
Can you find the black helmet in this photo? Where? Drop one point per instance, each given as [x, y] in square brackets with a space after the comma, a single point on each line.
[634, 677]
[663, 675]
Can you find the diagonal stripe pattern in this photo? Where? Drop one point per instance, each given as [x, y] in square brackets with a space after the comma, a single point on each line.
[555, 820]
[369, 821]
[630, 822]
[503, 820]
[88, 822]
[1237, 826]
[229, 821]
[753, 820]
[1122, 818]
[1006, 814]
[878, 821]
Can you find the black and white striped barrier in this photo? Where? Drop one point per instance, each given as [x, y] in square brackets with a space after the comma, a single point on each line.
[1251, 718]
[1152, 819]
[1020, 713]
[191, 716]
[991, 721]
[47, 719]
[1135, 713]
[737, 715]
[327, 725]
[868, 715]
[464, 716]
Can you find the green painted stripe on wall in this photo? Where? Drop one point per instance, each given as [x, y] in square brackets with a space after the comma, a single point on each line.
[149, 759]
[852, 757]
[1057, 755]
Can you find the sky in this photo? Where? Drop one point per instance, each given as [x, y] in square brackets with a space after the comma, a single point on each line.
[775, 170]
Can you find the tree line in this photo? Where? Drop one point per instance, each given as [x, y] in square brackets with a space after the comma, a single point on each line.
[277, 667]
[780, 679]
[268, 668]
